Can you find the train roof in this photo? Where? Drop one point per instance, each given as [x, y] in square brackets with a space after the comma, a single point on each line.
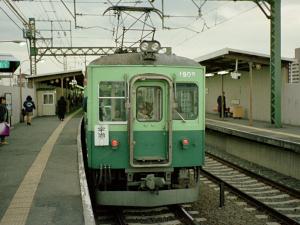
[137, 59]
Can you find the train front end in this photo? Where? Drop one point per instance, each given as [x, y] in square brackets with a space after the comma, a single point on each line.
[145, 129]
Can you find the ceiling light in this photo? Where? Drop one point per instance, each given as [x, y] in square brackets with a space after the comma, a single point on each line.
[223, 72]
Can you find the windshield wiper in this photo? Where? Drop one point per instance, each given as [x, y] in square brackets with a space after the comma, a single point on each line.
[181, 117]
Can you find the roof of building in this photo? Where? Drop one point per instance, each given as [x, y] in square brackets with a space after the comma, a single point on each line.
[8, 57]
[62, 73]
[50, 77]
[226, 59]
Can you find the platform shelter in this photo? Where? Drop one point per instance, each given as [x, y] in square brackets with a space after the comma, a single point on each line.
[245, 78]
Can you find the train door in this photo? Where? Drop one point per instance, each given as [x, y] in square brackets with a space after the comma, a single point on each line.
[150, 113]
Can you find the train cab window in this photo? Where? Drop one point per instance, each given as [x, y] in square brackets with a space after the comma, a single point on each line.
[112, 101]
[187, 102]
[149, 104]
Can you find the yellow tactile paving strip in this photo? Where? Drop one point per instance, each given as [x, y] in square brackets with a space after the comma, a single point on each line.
[18, 210]
[255, 128]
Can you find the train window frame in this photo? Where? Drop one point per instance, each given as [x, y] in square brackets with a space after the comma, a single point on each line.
[161, 111]
[124, 97]
[197, 98]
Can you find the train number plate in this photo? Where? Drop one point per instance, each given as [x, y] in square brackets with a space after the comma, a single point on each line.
[101, 135]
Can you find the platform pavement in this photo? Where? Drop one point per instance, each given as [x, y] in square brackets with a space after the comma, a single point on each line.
[57, 198]
[286, 132]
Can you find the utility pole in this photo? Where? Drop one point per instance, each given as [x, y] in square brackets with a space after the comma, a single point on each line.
[275, 62]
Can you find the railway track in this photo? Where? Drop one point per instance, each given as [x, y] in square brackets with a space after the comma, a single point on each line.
[277, 200]
[173, 215]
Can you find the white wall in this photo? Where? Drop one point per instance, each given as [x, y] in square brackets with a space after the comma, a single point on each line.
[16, 104]
[239, 89]
[291, 104]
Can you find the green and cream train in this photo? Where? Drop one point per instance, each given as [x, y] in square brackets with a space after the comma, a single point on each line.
[144, 128]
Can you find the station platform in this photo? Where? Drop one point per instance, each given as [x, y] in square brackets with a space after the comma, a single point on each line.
[286, 137]
[270, 150]
[39, 173]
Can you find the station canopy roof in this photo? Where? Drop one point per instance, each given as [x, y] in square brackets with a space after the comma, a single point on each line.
[53, 79]
[225, 59]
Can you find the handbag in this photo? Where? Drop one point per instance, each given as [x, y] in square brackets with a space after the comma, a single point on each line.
[4, 129]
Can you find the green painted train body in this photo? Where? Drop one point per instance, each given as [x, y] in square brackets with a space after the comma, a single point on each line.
[144, 129]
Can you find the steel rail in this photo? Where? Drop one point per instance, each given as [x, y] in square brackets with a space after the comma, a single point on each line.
[281, 187]
[119, 216]
[283, 218]
[182, 215]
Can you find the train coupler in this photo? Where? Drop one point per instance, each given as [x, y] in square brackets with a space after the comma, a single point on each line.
[152, 183]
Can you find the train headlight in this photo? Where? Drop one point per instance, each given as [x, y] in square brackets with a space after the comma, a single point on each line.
[150, 46]
[144, 46]
[155, 46]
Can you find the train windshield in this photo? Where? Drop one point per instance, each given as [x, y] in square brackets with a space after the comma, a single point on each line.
[187, 102]
[112, 101]
[148, 104]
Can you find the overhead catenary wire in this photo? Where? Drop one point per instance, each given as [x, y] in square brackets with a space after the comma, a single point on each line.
[18, 14]
[215, 25]
[192, 23]
[11, 18]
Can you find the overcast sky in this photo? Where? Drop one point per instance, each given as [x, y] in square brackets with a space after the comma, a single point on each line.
[239, 25]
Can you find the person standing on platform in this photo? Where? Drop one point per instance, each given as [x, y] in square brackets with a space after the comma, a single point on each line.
[221, 102]
[29, 107]
[61, 108]
[3, 119]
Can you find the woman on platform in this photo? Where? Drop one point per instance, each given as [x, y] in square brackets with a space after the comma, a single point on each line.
[3, 120]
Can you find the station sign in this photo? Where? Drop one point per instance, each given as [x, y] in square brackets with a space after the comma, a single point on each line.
[4, 64]
[8, 63]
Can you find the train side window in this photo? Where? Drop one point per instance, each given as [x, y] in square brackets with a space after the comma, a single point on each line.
[112, 101]
[187, 102]
[149, 104]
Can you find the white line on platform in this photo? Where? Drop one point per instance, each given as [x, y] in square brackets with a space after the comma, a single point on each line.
[88, 213]
[258, 129]
[27, 189]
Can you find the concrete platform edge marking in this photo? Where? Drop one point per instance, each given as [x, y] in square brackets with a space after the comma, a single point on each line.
[19, 208]
[88, 213]
[255, 128]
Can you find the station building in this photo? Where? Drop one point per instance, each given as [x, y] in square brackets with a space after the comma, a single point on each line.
[45, 90]
[51, 86]
[229, 70]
